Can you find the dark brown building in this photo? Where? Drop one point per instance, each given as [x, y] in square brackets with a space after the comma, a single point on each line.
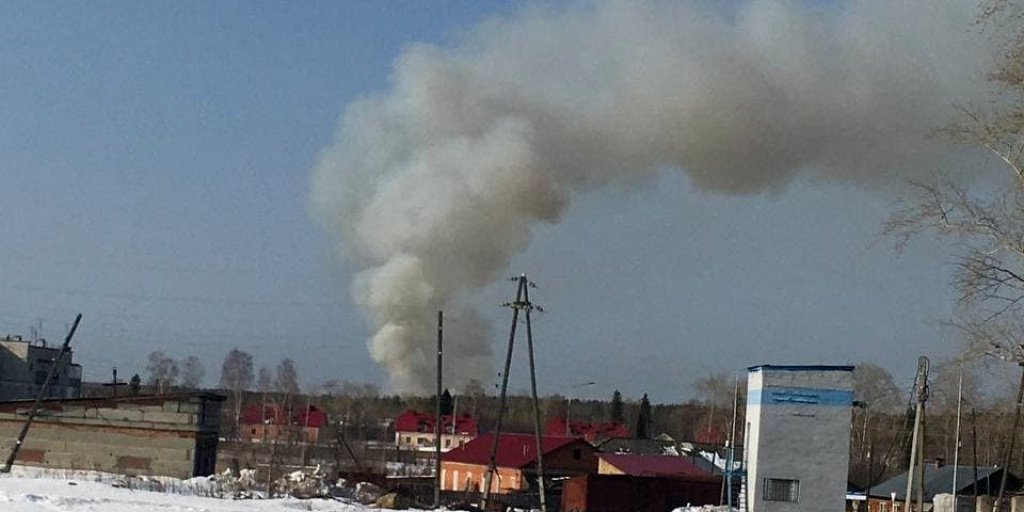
[615, 493]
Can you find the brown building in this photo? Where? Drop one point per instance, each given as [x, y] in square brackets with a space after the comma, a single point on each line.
[174, 435]
[463, 468]
[615, 493]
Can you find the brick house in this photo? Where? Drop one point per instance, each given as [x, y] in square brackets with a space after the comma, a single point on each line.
[463, 468]
[262, 422]
[415, 430]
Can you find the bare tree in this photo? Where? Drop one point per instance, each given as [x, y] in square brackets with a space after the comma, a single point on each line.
[716, 389]
[875, 389]
[161, 370]
[192, 373]
[236, 377]
[985, 221]
[286, 380]
[264, 380]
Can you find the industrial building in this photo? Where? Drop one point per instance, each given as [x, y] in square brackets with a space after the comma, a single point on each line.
[24, 365]
[798, 437]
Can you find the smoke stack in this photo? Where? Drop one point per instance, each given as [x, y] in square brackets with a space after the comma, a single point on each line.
[434, 184]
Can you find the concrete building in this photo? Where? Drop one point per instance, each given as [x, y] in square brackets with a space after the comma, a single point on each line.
[798, 437]
[24, 365]
[174, 435]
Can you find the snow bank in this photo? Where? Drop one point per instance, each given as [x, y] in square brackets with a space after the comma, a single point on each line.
[35, 490]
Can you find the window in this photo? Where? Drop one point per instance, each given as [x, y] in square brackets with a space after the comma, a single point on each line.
[447, 443]
[777, 489]
[577, 454]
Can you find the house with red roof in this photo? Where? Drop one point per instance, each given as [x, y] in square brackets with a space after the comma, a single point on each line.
[463, 468]
[415, 430]
[262, 422]
[593, 432]
[647, 465]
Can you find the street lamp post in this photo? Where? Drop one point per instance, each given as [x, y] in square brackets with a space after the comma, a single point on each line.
[568, 405]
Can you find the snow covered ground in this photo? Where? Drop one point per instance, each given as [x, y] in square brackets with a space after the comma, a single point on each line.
[33, 491]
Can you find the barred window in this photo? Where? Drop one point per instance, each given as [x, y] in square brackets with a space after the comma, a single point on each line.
[777, 489]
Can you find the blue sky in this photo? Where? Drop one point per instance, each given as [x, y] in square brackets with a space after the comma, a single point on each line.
[154, 166]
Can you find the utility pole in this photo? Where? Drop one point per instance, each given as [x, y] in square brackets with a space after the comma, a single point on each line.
[492, 461]
[533, 388]
[438, 423]
[974, 452]
[521, 303]
[114, 383]
[956, 444]
[730, 460]
[916, 469]
[40, 396]
[1013, 439]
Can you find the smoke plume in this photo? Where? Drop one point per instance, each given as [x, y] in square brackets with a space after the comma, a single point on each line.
[433, 185]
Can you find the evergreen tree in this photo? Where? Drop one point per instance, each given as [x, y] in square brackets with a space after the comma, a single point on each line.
[643, 420]
[447, 404]
[617, 415]
[135, 384]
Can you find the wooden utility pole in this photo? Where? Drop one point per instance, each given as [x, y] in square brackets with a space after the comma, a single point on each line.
[916, 469]
[40, 396]
[439, 421]
[1013, 439]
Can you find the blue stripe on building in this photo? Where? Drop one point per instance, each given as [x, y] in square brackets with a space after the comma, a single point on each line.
[778, 395]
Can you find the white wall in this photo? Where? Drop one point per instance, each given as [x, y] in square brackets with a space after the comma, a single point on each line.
[798, 421]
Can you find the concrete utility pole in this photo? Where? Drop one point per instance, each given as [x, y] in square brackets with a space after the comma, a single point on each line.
[956, 445]
[536, 403]
[522, 302]
[492, 461]
[40, 396]
[916, 469]
[438, 423]
[1013, 440]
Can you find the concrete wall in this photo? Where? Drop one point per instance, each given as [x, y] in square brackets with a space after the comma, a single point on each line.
[798, 422]
[150, 436]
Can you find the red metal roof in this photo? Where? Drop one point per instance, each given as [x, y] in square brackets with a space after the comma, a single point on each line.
[413, 421]
[514, 450]
[274, 415]
[653, 465]
[591, 431]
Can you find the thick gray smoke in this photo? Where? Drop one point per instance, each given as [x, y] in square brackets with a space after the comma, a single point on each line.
[432, 186]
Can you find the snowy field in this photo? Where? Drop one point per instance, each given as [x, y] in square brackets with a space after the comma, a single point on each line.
[32, 491]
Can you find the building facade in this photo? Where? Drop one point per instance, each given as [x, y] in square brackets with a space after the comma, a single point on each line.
[415, 430]
[24, 365]
[464, 468]
[798, 437]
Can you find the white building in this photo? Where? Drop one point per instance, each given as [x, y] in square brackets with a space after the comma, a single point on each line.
[798, 437]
